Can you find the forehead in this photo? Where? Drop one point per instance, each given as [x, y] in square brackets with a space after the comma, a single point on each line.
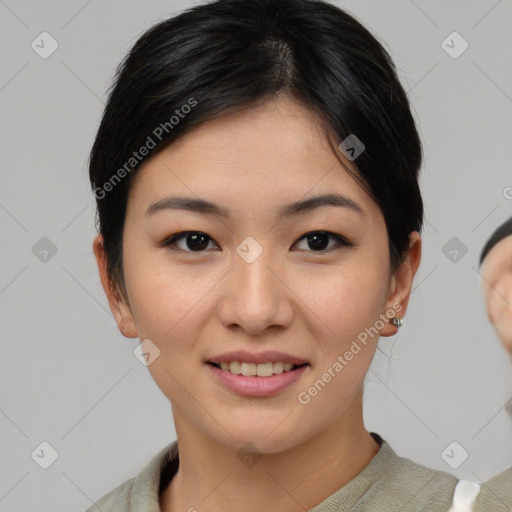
[249, 157]
[296, 124]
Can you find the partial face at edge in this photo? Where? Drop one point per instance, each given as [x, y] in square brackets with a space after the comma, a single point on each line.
[497, 287]
[309, 299]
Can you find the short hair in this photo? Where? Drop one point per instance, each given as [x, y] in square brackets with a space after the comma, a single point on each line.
[498, 235]
[229, 55]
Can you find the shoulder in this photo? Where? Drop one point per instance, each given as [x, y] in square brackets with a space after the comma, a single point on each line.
[496, 493]
[409, 470]
[423, 488]
[117, 500]
[407, 485]
[142, 491]
[391, 482]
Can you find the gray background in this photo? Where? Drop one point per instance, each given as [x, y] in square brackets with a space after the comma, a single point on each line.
[69, 378]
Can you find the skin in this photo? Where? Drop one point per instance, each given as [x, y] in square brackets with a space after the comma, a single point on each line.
[293, 298]
[496, 274]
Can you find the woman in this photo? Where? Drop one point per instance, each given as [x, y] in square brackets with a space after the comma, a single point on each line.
[238, 136]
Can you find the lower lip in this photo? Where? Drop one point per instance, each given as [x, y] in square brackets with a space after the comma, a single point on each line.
[257, 386]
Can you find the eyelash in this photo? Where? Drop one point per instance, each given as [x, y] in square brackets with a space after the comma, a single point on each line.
[170, 241]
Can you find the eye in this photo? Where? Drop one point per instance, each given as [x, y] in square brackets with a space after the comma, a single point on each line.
[318, 239]
[195, 241]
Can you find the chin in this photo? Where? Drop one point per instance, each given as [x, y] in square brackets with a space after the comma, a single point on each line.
[264, 438]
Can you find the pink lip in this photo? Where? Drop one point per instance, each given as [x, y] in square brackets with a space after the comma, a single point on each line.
[262, 357]
[255, 386]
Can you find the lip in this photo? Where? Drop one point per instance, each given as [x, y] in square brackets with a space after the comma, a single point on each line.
[255, 386]
[270, 356]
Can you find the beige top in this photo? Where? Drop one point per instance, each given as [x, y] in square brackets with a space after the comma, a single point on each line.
[388, 483]
[496, 493]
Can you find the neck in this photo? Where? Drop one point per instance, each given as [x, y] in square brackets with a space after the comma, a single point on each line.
[210, 475]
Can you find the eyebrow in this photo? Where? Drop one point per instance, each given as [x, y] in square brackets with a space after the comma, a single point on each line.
[298, 208]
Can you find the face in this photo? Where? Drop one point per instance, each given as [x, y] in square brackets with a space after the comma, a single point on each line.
[497, 287]
[255, 285]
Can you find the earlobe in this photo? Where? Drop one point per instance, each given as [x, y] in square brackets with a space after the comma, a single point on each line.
[118, 306]
[401, 286]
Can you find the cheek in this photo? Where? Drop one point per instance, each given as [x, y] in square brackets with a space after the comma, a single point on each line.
[164, 296]
[344, 301]
[348, 303]
[167, 309]
[499, 297]
[499, 309]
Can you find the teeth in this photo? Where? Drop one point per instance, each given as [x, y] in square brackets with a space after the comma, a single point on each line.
[278, 367]
[234, 367]
[265, 370]
[248, 369]
[252, 369]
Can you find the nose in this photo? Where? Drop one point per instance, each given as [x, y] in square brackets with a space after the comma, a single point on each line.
[256, 295]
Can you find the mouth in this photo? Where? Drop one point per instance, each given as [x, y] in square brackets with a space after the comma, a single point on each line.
[246, 369]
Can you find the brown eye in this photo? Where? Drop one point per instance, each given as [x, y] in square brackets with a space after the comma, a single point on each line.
[197, 241]
[318, 241]
[194, 241]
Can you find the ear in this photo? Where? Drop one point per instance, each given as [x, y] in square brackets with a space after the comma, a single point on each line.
[118, 305]
[401, 284]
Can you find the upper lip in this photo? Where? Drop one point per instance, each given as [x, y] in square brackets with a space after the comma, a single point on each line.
[257, 358]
